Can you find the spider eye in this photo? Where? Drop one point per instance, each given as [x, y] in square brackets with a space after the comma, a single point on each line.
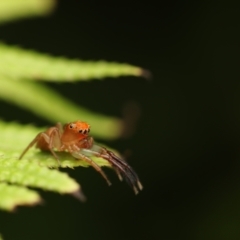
[88, 130]
[70, 126]
[85, 131]
[80, 131]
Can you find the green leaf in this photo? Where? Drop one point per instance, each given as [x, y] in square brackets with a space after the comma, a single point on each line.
[21, 64]
[15, 9]
[13, 196]
[32, 174]
[32, 170]
[12, 145]
[50, 105]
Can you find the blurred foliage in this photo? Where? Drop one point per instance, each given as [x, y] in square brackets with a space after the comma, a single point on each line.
[20, 73]
[16, 9]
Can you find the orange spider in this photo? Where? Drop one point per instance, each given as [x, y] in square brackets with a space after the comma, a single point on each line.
[74, 138]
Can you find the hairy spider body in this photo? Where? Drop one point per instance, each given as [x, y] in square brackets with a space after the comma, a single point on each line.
[74, 138]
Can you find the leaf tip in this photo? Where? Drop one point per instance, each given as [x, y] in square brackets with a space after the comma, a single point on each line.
[146, 74]
[15, 207]
[79, 195]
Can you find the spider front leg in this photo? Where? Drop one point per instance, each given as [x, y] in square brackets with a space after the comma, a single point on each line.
[46, 141]
[76, 153]
[118, 164]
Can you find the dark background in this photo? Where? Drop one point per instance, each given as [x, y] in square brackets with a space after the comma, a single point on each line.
[186, 148]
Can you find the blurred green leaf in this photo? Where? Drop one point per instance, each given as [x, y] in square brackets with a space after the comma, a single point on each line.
[15, 9]
[21, 64]
[13, 196]
[48, 104]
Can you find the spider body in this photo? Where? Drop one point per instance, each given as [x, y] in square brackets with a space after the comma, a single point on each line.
[74, 138]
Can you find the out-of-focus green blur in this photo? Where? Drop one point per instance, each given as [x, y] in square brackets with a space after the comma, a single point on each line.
[186, 145]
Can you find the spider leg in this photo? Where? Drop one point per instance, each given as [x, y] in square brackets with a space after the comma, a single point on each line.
[119, 165]
[54, 141]
[55, 156]
[128, 171]
[48, 141]
[35, 140]
[81, 156]
[118, 174]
